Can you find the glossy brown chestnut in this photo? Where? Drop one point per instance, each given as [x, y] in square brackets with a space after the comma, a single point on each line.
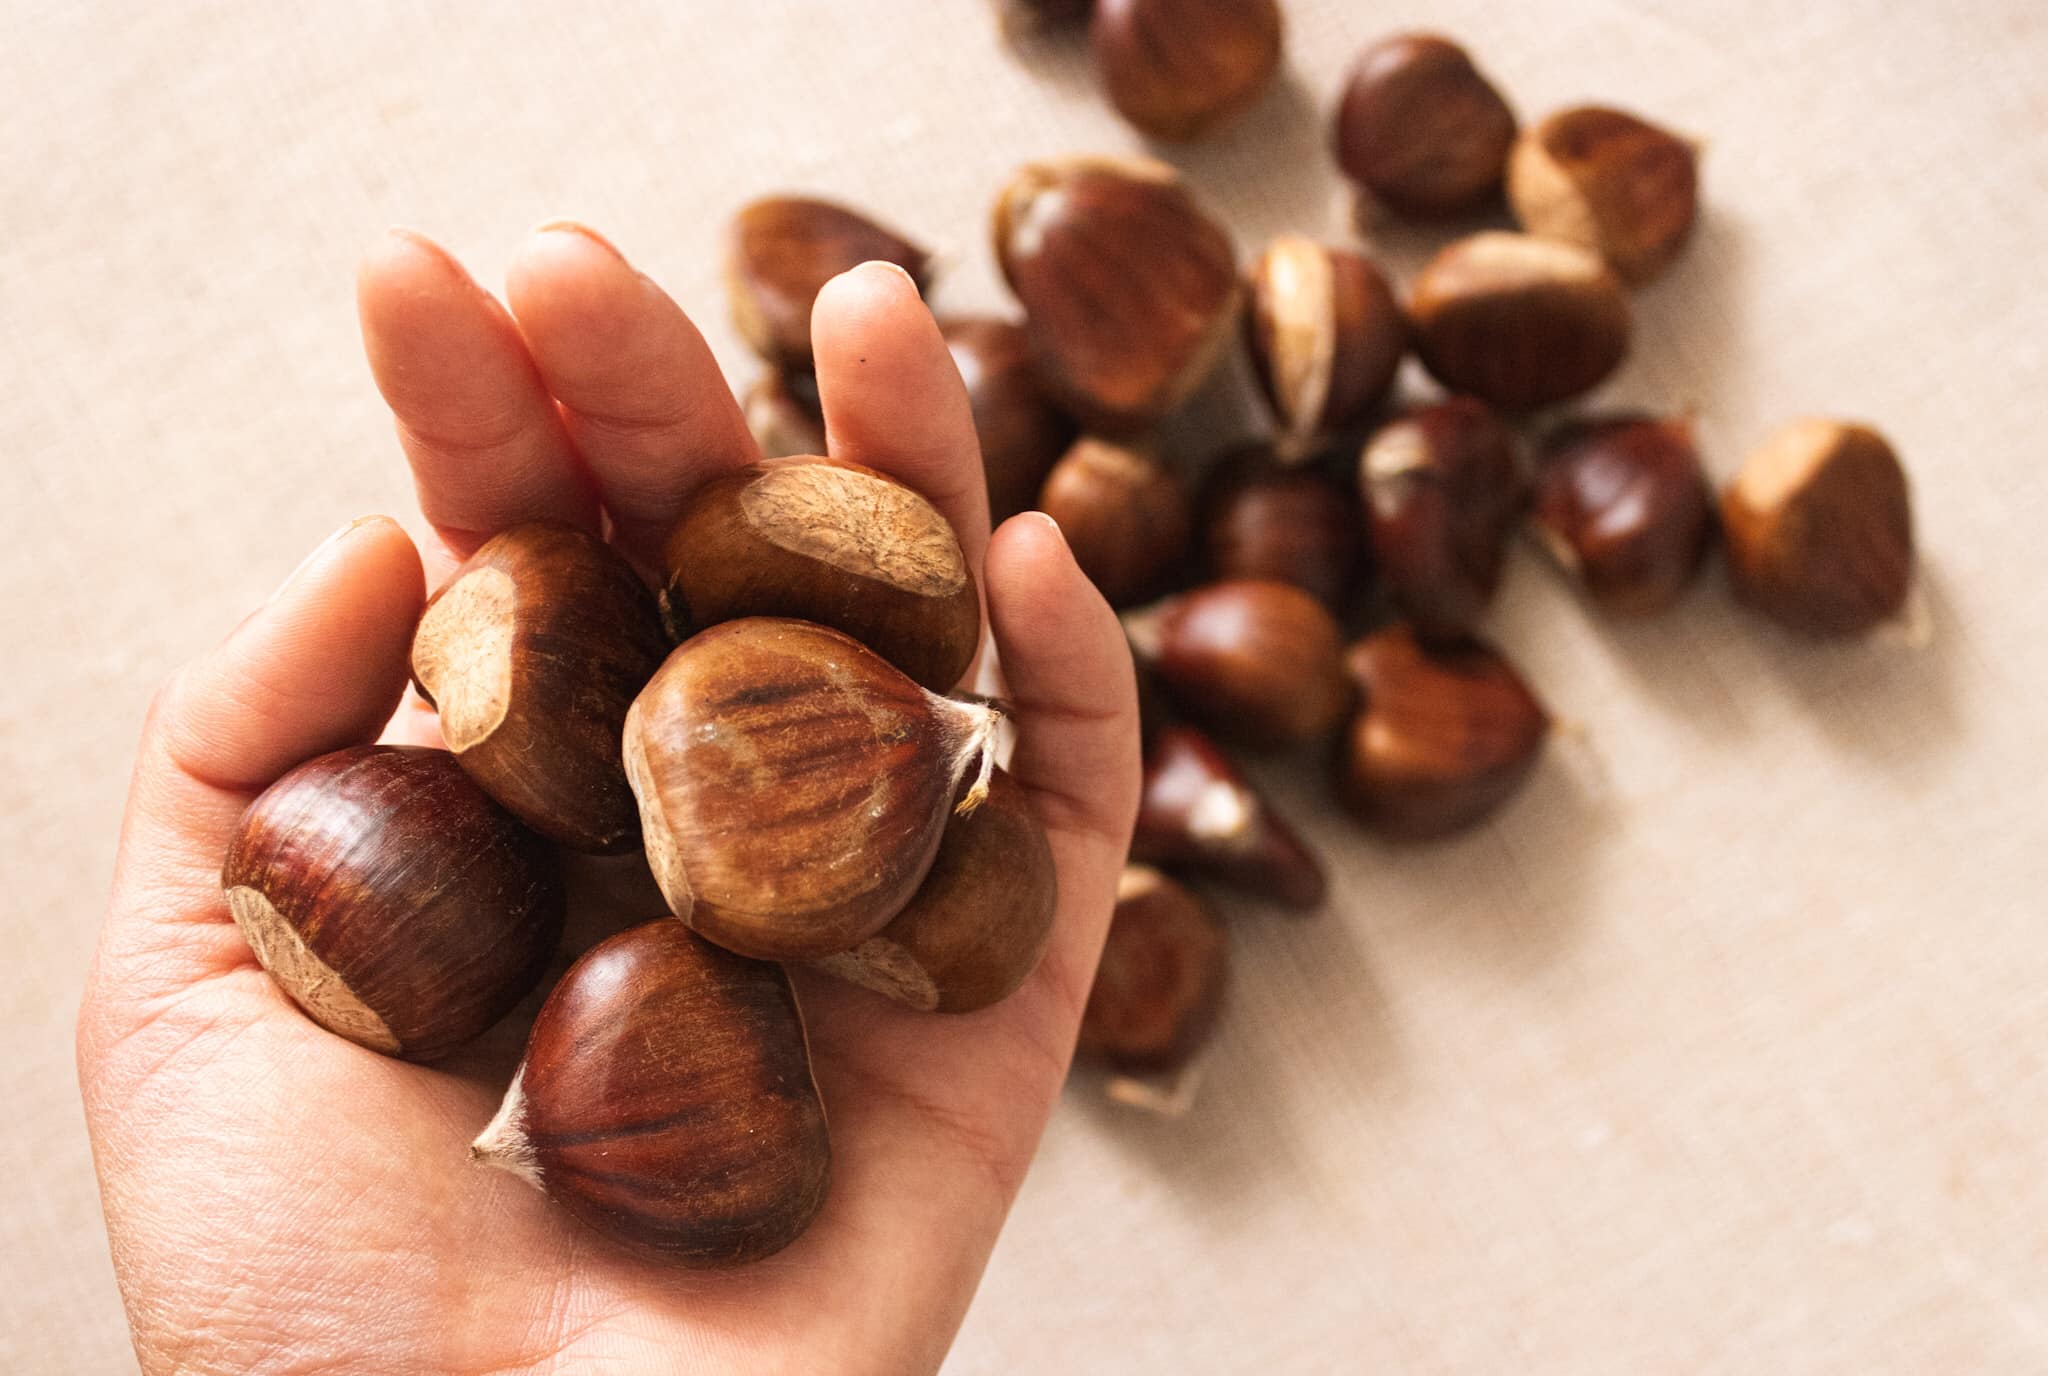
[1421, 129]
[1624, 506]
[531, 653]
[784, 415]
[1262, 519]
[1442, 494]
[781, 250]
[1198, 812]
[979, 925]
[1179, 68]
[666, 1100]
[833, 542]
[1819, 529]
[1125, 516]
[1325, 335]
[395, 902]
[1129, 288]
[1609, 181]
[1022, 433]
[1258, 661]
[1446, 735]
[1519, 321]
[1160, 984]
[793, 786]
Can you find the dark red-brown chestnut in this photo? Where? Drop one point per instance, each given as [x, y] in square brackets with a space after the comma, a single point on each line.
[1258, 661]
[793, 786]
[781, 250]
[531, 652]
[833, 542]
[1022, 433]
[1624, 506]
[1199, 813]
[1177, 69]
[1125, 516]
[1160, 984]
[392, 900]
[1819, 529]
[1129, 287]
[1443, 491]
[1609, 181]
[666, 1100]
[1263, 519]
[981, 921]
[1446, 734]
[1325, 335]
[1421, 129]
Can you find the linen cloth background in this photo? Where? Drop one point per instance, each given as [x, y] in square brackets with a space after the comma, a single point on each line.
[1725, 1049]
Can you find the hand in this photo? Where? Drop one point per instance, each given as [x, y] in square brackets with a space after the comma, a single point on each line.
[278, 1198]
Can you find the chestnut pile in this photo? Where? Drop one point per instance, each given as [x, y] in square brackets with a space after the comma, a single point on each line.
[1327, 589]
[772, 732]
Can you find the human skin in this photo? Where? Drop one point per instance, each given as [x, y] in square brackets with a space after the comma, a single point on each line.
[279, 1199]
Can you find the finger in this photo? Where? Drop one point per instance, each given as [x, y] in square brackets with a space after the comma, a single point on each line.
[642, 397]
[893, 396]
[318, 667]
[487, 447]
[1075, 694]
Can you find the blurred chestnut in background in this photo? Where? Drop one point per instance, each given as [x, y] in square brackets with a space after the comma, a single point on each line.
[1819, 529]
[1624, 506]
[392, 900]
[1160, 984]
[531, 653]
[1178, 68]
[666, 1099]
[1445, 734]
[1518, 321]
[1442, 491]
[781, 250]
[1129, 287]
[1258, 661]
[1260, 519]
[1022, 433]
[1609, 181]
[1421, 129]
[1198, 812]
[1325, 335]
[1125, 516]
[784, 415]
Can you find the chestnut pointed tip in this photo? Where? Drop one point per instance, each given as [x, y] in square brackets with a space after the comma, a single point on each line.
[503, 1144]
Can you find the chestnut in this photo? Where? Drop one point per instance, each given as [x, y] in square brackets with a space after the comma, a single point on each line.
[1443, 491]
[1421, 129]
[392, 900]
[1020, 17]
[531, 652]
[666, 1100]
[784, 415]
[1261, 519]
[793, 786]
[1325, 335]
[781, 250]
[1819, 529]
[1609, 181]
[1129, 287]
[1447, 733]
[1179, 68]
[1125, 516]
[1259, 661]
[1198, 812]
[1624, 506]
[1160, 985]
[981, 921]
[829, 541]
[1022, 433]
[1519, 321]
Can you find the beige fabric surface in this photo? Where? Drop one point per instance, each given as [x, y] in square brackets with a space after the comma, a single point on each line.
[1724, 1050]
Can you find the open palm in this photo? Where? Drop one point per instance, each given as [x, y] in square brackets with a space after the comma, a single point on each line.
[280, 1199]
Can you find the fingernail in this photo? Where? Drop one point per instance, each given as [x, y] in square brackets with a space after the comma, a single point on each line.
[577, 227]
[320, 552]
[1061, 535]
[414, 239]
[896, 268]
